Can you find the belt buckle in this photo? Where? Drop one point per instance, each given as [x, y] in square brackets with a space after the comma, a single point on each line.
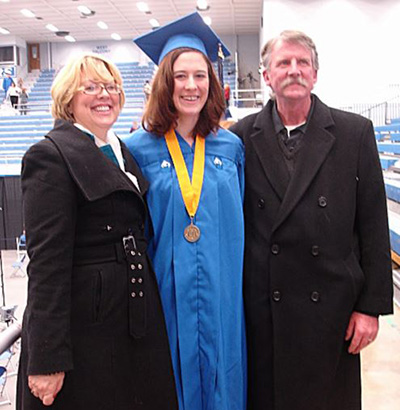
[127, 240]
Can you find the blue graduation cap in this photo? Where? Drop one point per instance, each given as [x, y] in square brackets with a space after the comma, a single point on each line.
[189, 31]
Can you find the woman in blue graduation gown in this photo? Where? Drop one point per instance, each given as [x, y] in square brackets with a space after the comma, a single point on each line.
[197, 234]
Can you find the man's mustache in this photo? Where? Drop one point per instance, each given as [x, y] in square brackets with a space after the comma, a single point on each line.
[289, 81]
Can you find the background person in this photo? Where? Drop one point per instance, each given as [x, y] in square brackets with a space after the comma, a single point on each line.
[13, 94]
[23, 101]
[93, 332]
[317, 261]
[227, 96]
[147, 90]
[7, 81]
[195, 171]
[134, 126]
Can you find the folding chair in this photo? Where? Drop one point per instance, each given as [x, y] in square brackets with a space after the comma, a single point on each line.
[4, 399]
[21, 245]
[18, 266]
[7, 367]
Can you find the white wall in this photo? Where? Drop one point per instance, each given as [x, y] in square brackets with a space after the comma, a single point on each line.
[12, 41]
[248, 48]
[21, 44]
[118, 52]
[249, 58]
[357, 42]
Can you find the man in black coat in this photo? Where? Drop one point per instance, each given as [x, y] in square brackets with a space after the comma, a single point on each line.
[317, 263]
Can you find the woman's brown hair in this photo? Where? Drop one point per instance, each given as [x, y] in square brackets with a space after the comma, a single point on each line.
[160, 113]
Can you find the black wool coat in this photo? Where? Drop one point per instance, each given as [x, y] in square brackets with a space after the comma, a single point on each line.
[92, 312]
[317, 249]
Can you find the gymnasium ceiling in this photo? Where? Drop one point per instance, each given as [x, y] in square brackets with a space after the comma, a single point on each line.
[229, 17]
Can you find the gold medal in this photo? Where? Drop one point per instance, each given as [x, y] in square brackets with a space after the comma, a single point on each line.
[190, 190]
[192, 233]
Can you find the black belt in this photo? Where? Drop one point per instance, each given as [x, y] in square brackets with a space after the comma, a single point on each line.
[113, 252]
[133, 251]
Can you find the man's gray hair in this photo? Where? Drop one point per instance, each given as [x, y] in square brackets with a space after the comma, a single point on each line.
[289, 36]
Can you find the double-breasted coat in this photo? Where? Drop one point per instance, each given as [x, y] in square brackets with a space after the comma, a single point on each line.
[317, 249]
[93, 307]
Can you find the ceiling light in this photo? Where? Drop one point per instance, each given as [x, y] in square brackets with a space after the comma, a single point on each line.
[102, 25]
[27, 13]
[207, 20]
[154, 23]
[4, 30]
[115, 36]
[70, 39]
[143, 7]
[51, 27]
[202, 5]
[85, 10]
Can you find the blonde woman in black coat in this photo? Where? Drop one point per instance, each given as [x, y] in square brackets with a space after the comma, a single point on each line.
[93, 331]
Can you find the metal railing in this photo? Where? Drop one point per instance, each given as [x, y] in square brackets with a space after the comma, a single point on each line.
[250, 97]
[379, 113]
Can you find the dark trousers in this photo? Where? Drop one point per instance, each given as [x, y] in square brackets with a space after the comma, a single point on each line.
[14, 101]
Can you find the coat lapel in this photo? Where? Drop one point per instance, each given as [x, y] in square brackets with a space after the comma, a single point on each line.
[267, 148]
[317, 143]
[95, 174]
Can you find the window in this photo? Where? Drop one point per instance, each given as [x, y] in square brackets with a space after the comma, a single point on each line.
[7, 54]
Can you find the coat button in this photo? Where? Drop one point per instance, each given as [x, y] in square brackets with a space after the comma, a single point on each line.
[315, 250]
[140, 267]
[133, 267]
[133, 294]
[133, 253]
[261, 203]
[141, 294]
[140, 280]
[133, 280]
[275, 249]
[322, 202]
[315, 296]
[276, 295]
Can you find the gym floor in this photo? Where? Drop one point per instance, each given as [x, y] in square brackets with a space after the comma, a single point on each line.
[380, 361]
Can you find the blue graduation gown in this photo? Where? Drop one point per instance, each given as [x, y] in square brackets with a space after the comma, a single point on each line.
[200, 283]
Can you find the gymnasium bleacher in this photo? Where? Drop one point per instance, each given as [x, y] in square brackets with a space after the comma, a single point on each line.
[19, 132]
[388, 142]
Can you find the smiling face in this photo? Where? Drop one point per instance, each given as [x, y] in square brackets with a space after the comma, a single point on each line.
[97, 113]
[291, 74]
[191, 84]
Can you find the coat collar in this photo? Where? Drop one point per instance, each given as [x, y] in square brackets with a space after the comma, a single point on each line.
[317, 143]
[95, 174]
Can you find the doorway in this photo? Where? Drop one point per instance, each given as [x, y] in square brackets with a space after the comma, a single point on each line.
[33, 57]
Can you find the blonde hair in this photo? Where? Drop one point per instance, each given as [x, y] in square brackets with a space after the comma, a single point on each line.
[68, 81]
